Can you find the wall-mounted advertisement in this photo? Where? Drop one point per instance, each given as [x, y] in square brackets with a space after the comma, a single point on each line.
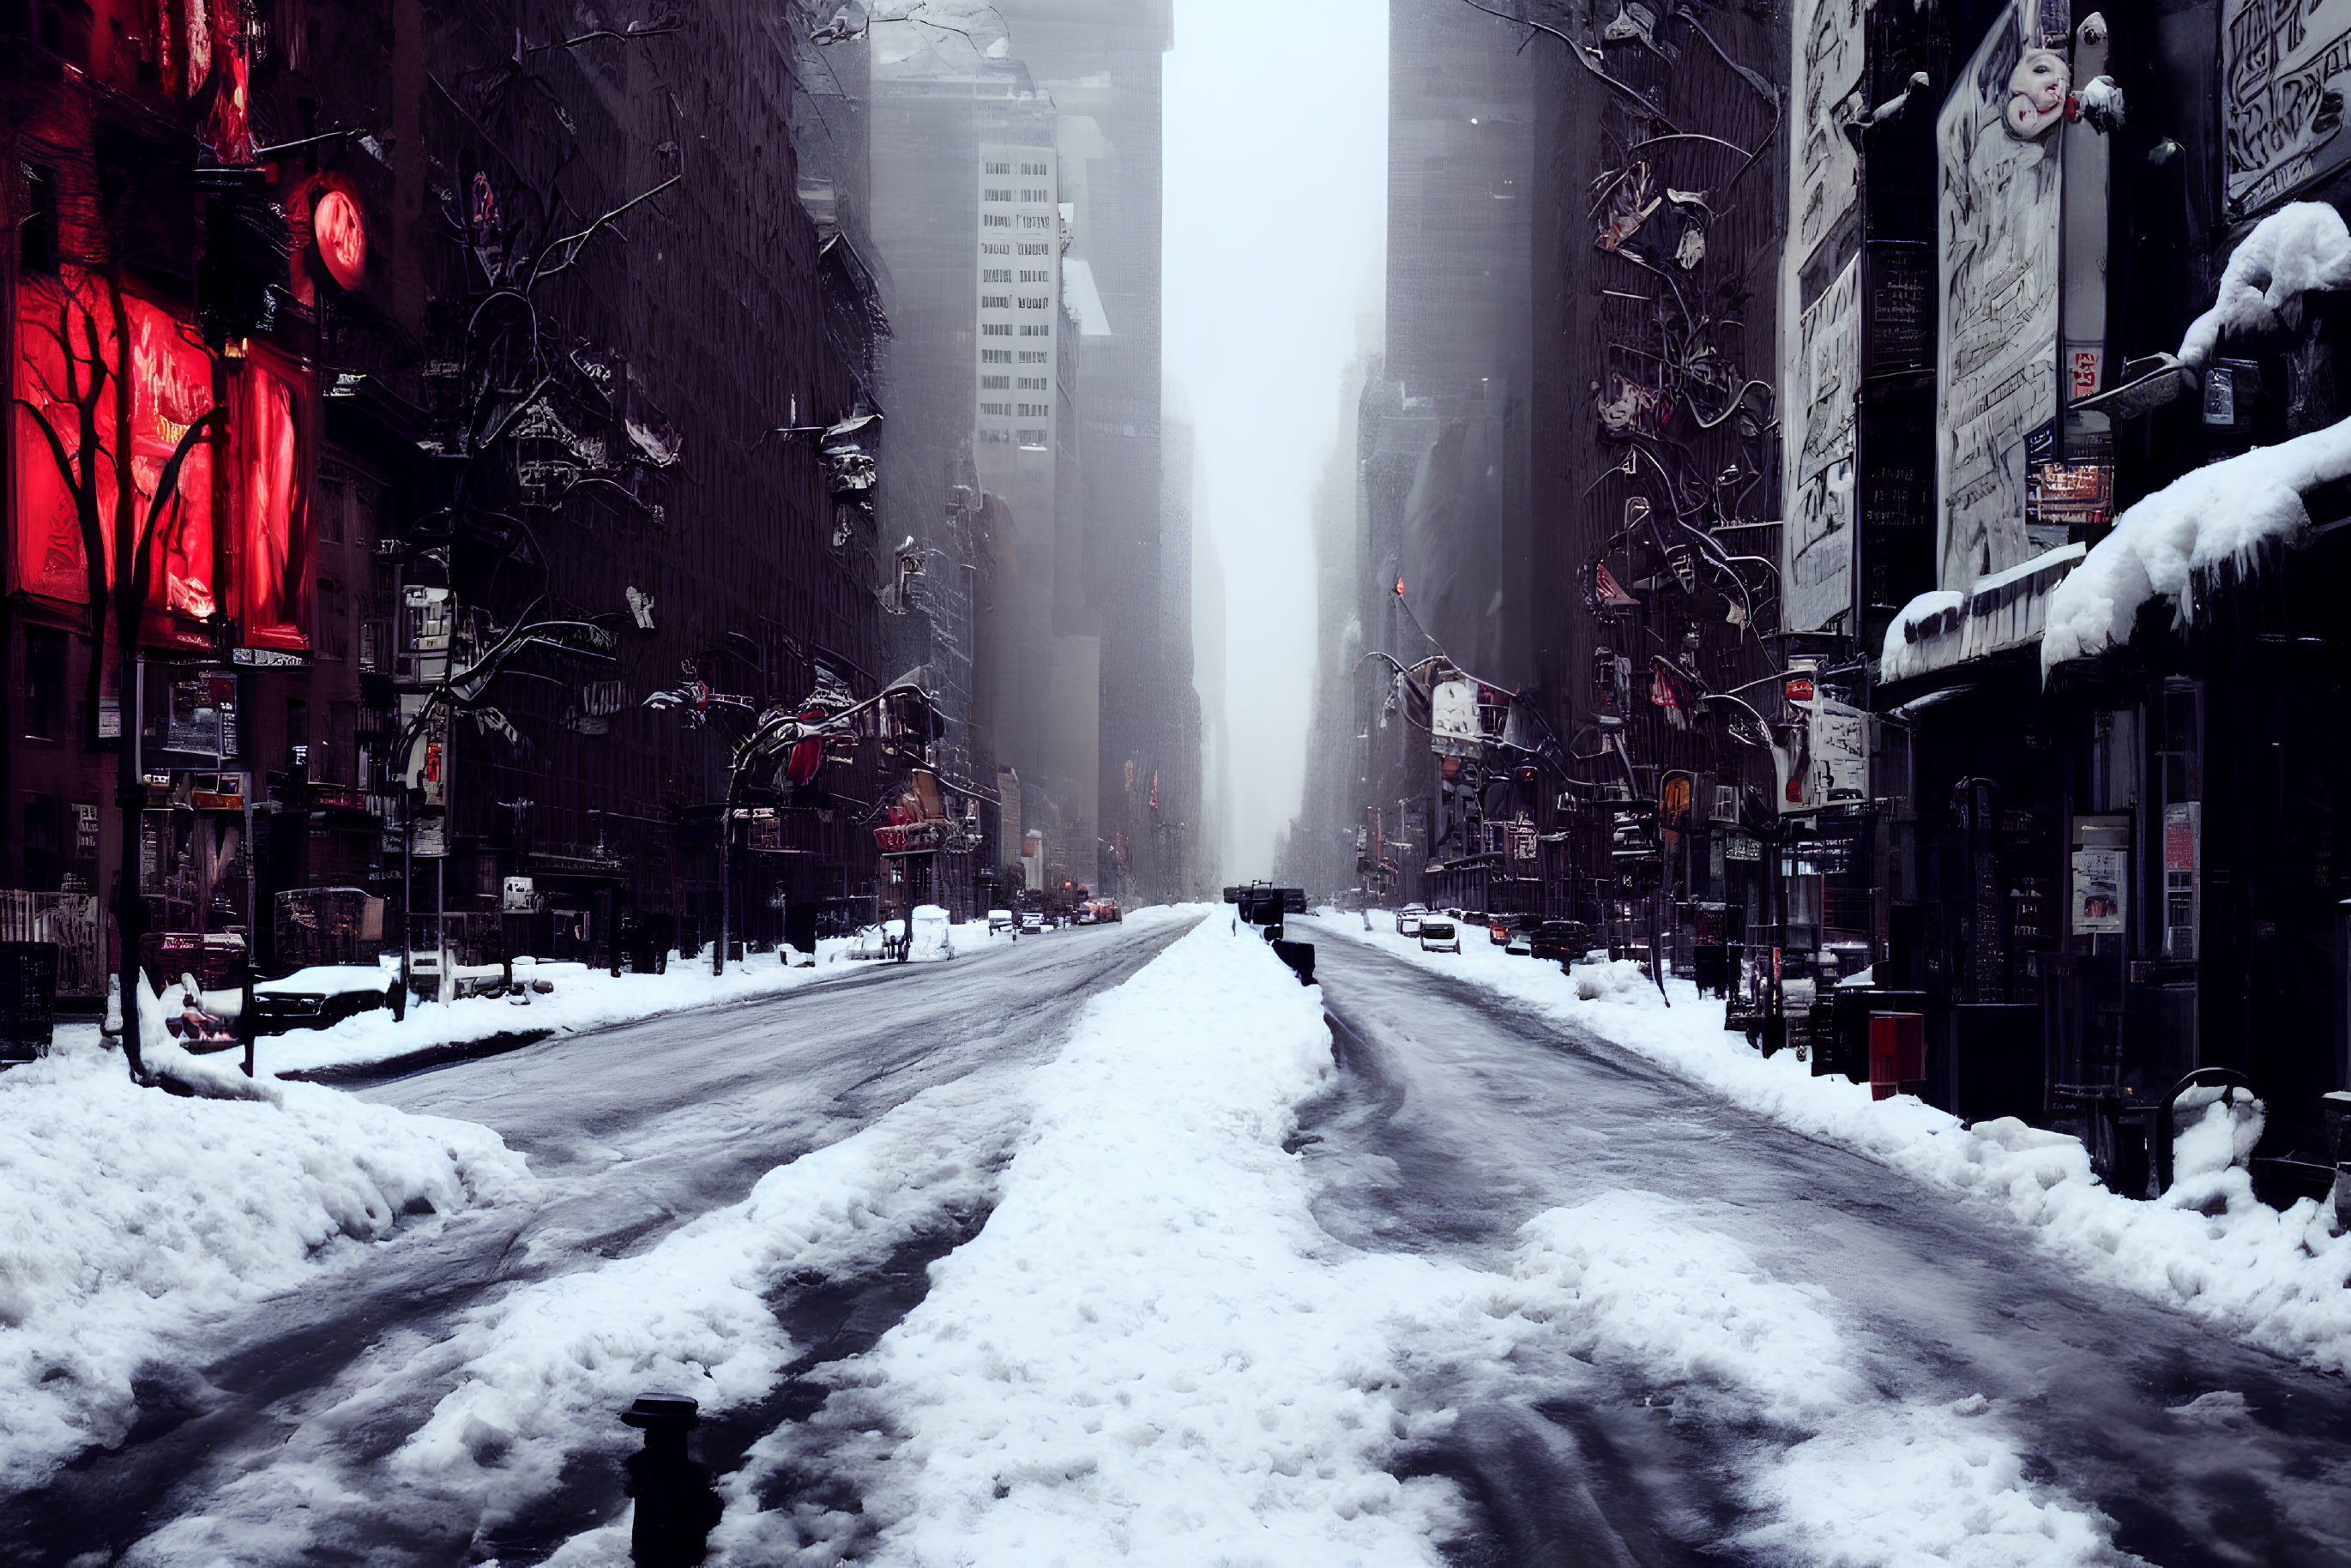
[2097, 901]
[2283, 73]
[1999, 214]
[271, 596]
[68, 355]
[1826, 369]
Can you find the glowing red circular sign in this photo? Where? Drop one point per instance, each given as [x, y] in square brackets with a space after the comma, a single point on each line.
[341, 236]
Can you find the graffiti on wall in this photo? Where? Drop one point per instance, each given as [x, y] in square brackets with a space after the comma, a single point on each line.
[1998, 209]
[2283, 72]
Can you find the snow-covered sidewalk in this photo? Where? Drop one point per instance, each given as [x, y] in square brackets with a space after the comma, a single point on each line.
[131, 1220]
[2276, 1279]
[583, 998]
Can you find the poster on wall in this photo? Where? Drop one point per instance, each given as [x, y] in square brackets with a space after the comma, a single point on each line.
[271, 596]
[170, 389]
[2283, 73]
[1821, 512]
[1824, 173]
[1453, 718]
[2097, 891]
[1999, 212]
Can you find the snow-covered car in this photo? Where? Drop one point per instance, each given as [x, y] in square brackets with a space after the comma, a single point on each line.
[320, 997]
[1408, 923]
[1440, 937]
[1032, 921]
[1521, 943]
[882, 941]
[933, 936]
[998, 920]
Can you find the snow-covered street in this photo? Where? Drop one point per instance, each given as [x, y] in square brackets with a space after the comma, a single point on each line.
[1121, 1246]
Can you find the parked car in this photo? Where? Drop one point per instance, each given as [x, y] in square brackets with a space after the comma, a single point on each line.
[1440, 937]
[1408, 923]
[1032, 921]
[887, 940]
[1498, 928]
[1521, 943]
[320, 997]
[1559, 940]
[998, 920]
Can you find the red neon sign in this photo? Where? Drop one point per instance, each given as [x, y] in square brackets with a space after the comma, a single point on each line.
[66, 345]
[336, 224]
[270, 586]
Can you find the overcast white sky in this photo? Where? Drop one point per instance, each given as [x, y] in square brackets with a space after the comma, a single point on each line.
[1276, 165]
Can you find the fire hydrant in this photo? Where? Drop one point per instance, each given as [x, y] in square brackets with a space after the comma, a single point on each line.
[676, 1506]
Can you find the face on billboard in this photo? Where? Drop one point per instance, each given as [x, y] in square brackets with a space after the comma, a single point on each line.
[66, 347]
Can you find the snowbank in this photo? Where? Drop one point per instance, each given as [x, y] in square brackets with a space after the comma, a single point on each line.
[2301, 247]
[130, 1218]
[2275, 1278]
[2224, 511]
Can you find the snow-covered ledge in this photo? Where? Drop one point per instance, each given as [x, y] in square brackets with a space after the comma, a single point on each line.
[2225, 511]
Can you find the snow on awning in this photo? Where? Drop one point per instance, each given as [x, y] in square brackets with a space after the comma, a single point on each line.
[2224, 512]
[2002, 611]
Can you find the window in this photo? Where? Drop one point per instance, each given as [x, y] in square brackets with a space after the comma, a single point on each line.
[1036, 411]
[993, 408]
[45, 681]
[995, 356]
[995, 329]
[1034, 276]
[995, 220]
[992, 167]
[1032, 384]
[1036, 302]
[996, 302]
[995, 382]
[996, 438]
[1037, 195]
[1032, 356]
[999, 275]
[988, 247]
[1039, 330]
[343, 727]
[1036, 168]
[1032, 438]
[1029, 247]
[334, 620]
[1031, 221]
[997, 194]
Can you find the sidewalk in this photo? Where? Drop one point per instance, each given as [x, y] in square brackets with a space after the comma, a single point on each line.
[2208, 1246]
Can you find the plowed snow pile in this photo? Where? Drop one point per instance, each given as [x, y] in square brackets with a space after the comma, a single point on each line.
[129, 1218]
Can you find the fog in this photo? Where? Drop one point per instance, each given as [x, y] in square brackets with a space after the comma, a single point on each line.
[1276, 172]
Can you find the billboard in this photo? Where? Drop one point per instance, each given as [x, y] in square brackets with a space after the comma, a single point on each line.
[68, 355]
[1999, 212]
[271, 598]
[2283, 72]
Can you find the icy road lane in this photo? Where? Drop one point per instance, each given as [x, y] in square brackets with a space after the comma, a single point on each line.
[301, 1434]
[1456, 1118]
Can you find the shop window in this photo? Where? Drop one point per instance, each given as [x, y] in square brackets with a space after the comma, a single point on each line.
[45, 681]
[333, 495]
